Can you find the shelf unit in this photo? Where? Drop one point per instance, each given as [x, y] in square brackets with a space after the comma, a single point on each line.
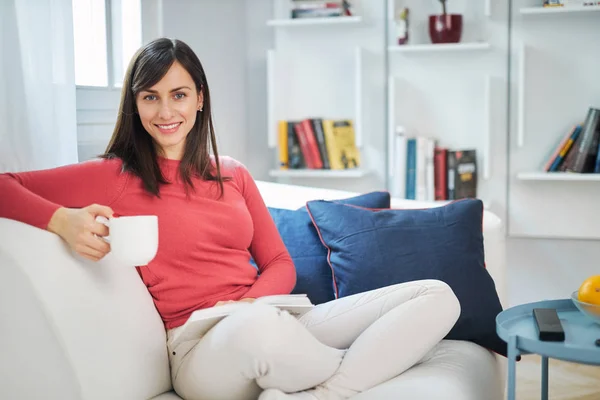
[288, 100]
[557, 205]
[558, 10]
[318, 173]
[558, 176]
[438, 48]
[474, 44]
[289, 22]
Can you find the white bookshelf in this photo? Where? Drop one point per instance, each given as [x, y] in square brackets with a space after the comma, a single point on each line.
[318, 173]
[558, 10]
[440, 48]
[327, 21]
[558, 176]
[333, 62]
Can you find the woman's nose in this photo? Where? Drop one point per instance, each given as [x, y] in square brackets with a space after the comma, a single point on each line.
[165, 112]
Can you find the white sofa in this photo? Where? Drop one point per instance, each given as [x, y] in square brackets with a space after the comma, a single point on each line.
[73, 329]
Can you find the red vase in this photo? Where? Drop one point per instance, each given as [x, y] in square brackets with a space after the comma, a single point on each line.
[445, 28]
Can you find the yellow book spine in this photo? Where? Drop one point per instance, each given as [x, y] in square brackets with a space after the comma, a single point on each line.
[282, 144]
[333, 148]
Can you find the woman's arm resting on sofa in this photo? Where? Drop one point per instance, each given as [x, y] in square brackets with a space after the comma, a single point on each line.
[277, 272]
[34, 197]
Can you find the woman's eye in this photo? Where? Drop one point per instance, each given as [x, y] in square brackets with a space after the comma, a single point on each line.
[150, 97]
[179, 96]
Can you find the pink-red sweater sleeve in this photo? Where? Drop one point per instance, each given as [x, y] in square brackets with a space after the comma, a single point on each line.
[275, 265]
[33, 197]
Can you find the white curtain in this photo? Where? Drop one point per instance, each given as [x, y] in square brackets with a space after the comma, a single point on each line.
[38, 126]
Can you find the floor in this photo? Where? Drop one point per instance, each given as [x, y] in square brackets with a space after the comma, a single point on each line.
[568, 381]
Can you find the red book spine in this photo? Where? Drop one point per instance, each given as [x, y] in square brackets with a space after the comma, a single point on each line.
[313, 146]
[440, 165]
[304, 146]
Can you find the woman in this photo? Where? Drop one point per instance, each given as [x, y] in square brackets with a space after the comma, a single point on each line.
[212, 219]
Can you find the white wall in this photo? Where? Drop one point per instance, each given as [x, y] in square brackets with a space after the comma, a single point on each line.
[258, 38]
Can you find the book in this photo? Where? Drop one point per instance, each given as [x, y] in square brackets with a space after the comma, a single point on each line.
[559, 149]
[282, 144]
[465, 174]
[441, 177]
[585, 159]
[565, 149]
[201, 321]
[341, 144]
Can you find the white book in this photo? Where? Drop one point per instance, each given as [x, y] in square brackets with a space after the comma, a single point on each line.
[430, 179]
[399, 186]
[201, 321]
[421, 173]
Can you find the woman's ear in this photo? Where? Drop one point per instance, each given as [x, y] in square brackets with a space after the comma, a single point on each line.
[200, 101]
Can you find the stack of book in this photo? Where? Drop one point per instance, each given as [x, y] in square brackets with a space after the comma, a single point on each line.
[319, 9]
[424, 171]
[579, 149]
[317, 143]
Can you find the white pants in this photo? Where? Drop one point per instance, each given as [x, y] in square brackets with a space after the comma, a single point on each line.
[342, 347]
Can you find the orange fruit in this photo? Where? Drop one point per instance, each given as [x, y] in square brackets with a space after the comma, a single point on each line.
[589, 291]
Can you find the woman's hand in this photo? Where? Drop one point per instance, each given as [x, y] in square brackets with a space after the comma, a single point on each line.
[81, 231]
[246, 300]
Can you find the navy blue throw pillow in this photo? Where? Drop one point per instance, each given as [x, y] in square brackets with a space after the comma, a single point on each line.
[370, 249]
[313, 273]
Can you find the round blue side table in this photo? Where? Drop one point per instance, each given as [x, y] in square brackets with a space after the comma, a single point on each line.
[516, 327]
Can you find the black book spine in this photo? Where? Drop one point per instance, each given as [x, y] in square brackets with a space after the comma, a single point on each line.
[317, 124]
[451, 162]
[588, 149]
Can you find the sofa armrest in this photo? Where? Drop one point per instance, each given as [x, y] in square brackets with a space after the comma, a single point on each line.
[72, 328]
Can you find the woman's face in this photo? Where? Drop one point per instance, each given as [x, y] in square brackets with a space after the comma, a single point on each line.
[168, 110]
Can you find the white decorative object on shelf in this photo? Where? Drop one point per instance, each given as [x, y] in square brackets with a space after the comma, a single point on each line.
[558, 10]
[318, 173]
[314, 21]
[557, 176]
[427, 48]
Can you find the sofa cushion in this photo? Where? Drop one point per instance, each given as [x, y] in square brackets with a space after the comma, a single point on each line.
[461, 370]
[369, 249]
[313, 273]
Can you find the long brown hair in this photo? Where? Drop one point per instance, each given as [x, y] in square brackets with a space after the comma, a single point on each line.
[134, 146]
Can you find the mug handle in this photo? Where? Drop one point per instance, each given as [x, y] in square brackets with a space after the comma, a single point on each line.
[105, 221]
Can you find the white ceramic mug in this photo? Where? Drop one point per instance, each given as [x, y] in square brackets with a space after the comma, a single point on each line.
[133, 239]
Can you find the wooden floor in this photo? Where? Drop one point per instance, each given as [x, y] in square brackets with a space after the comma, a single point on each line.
[568, 381]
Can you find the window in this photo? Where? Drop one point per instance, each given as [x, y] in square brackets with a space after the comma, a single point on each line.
[106, 35]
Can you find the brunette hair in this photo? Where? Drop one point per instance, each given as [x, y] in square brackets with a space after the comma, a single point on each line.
[134, 146]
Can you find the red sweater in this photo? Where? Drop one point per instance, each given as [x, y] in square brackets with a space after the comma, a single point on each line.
[205, 242]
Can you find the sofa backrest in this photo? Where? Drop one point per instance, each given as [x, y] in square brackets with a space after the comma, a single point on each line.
[73, 329]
